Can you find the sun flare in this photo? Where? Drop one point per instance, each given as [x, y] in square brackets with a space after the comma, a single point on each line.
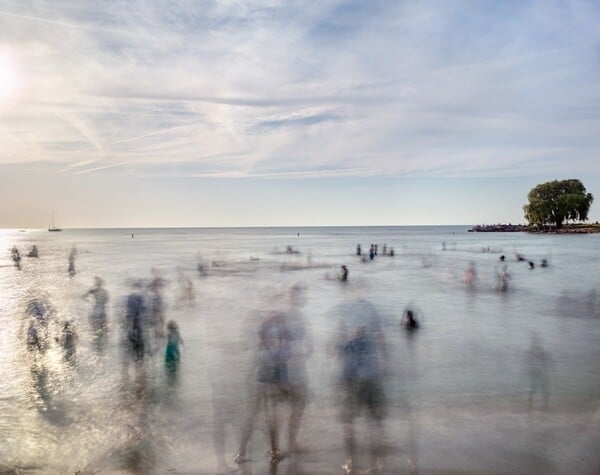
[9, 78]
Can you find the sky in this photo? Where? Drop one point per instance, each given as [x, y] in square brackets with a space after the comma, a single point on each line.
[290, 113]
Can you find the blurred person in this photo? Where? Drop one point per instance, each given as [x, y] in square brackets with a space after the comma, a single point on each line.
[134, 329]
[68, 341]
[16, 257]
[531, 265]
[470, 275]
[172, 351]
[34, 339]
[362, 352]
[33, 252]
[156, 310]
[538, 362]
[384, 250]
[503, 277]
[372, 252]
[187, 293]
[272, 383]
[72, 256]
[343, 275]
[358, 250]
[98, 314]
[409, 321]
[41, 313]
[391, 253]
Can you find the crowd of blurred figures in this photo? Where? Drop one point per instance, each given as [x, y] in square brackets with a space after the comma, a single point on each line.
[276, 393]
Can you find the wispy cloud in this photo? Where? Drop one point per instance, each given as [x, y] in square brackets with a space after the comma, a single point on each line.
[266, 89]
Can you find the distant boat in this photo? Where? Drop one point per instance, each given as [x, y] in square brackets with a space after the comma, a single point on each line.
[52, 227]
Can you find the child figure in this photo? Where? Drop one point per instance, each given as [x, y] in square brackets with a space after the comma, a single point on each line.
[172, 353]
[68, 341]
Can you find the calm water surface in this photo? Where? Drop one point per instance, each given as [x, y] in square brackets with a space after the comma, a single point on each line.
[464, 378]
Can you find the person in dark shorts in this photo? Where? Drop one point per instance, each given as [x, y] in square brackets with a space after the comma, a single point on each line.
[274, 351]
[135, 315]
[363, 356]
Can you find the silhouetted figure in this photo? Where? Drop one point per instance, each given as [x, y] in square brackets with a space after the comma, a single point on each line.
[40, 313]
[68, 341]
[135, 320]
[384, 249]
[531, 265]
[409, 322]
[502, 258]
[358, 250]
[33, 252]
[544, 263]
[391, 253]
[16, 257]
[72, 256]
[343, 274]
[372, 252]
[34, 341]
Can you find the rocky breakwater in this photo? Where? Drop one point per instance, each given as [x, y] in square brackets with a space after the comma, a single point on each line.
[499, 228]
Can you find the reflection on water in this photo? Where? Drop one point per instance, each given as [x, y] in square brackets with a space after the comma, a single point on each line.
[139, 356]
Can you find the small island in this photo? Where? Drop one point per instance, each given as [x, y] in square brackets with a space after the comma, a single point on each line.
[551, 206]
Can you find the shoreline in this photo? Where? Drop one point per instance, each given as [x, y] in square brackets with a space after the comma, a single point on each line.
[523, 228]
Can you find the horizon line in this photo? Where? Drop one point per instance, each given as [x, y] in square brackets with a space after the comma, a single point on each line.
[246, 227]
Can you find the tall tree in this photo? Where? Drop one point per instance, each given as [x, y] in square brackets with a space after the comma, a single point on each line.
[555, 202]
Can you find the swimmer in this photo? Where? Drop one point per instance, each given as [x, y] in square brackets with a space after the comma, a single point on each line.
[409, 322]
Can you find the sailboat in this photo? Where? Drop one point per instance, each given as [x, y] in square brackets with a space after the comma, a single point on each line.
[52, 227]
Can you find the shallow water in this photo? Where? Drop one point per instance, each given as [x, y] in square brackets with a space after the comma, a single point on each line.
[457, 390]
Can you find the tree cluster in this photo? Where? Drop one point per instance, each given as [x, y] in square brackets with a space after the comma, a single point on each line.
[558, 201]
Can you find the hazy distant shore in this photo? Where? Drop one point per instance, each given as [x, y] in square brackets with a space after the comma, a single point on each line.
[517, 228]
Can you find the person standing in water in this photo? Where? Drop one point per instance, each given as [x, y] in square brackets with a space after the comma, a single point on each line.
[16, 257]
[68, 341]
[72, 256]
[172, 352]
[363, 355]
[272, 383]
[98, 315]
[134, 330]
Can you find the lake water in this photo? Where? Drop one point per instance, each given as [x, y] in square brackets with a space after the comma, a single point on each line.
[457, 390]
